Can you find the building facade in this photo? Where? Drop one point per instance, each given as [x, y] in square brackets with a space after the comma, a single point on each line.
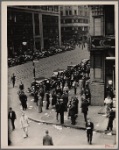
[102, 51]
[32, 28]
[74, 22]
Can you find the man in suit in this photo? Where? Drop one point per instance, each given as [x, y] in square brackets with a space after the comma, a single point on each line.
[84, 107]
[89, 128]
[12, 117]
[47, 140]
[13, 79]
[111, 118]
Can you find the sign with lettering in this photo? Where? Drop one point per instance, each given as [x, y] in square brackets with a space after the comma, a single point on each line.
[100, 42]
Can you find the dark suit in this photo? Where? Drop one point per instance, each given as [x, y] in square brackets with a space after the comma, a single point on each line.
[89, 128]
[12, 117]
[84, 107]
[47, 140]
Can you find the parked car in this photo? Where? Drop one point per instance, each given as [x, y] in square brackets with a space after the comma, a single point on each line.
[36, 83]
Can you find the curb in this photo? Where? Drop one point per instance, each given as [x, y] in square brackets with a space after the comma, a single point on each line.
[66, 126]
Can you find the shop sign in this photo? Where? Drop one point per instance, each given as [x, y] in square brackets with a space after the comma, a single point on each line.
[101, 42]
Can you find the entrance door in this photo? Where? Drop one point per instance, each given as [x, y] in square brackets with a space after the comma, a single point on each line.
[109, 73]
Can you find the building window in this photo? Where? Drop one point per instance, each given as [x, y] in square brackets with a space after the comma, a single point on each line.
[97, 27]
[36, 21]
[80, 13]
[61, 13]
[75, 12]
[98, 66]
[66, 12]
[68, 21]
[70, 12]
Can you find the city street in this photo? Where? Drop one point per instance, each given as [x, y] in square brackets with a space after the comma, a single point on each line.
[61, 136]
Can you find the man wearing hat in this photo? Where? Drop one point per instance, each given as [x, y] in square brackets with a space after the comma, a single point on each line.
[47, 140]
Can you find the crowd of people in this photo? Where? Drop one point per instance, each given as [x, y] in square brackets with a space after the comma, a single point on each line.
[76, 78]
[73, 78]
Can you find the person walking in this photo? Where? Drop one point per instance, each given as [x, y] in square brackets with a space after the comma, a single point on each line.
[12, 117]
[108, 103]
[40, 103]
[47, 140]
[72, 112]
[84, 107]
[57, 106]
[13, 79]
[111, 118]
[21, 86]
[47, 100]
[89, 129]
[24, 124]
[62, 108]
[75, 85]
[23, 99]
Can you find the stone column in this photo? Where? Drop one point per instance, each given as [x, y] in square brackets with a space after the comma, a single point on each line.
[33, 30]
[41, 31]
[59, 26]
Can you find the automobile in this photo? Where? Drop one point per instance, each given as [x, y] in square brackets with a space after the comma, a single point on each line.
[70, 67]
[57, 73]
[85, 62]
[45, 53]
[28, 57]
[37, 82]
[10, 62]
[22, 59]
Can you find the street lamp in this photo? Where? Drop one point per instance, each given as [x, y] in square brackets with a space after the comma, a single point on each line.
[24, 45]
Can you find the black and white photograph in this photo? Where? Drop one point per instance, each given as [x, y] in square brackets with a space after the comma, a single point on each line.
[59, 74]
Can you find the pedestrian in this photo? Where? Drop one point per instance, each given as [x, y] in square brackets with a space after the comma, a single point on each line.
[108, 104]
[89, 129]
[23, 99]
[72, 113]
[21, 86]
[84, 107]
[75, 85]
[47, 100]
[13, 79]
[57, 106]
[24, 124]
[36, 96]
[62, 108]
[54, 98]
[12, 117]
[47, 140]
[111, 118]
[40, 103]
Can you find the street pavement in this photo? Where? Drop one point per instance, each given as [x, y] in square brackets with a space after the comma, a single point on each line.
[45, 67]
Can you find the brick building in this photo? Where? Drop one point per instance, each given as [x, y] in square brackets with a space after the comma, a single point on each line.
[102, 51]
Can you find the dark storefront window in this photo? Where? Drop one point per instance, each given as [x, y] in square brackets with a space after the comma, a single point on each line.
[109, 20]
[50, 30]
[70, 12]
[19, 30]
[68, 20]
[36, 21]
[98, 67]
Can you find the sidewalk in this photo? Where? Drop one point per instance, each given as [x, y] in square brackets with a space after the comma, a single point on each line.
[49, 116]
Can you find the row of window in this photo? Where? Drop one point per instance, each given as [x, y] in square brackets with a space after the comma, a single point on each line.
[75, 12]
[74, 20]
[47, 8]
[74, 28]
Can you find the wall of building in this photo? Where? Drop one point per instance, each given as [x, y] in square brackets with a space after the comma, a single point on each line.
[26, 24]
[74, 21]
